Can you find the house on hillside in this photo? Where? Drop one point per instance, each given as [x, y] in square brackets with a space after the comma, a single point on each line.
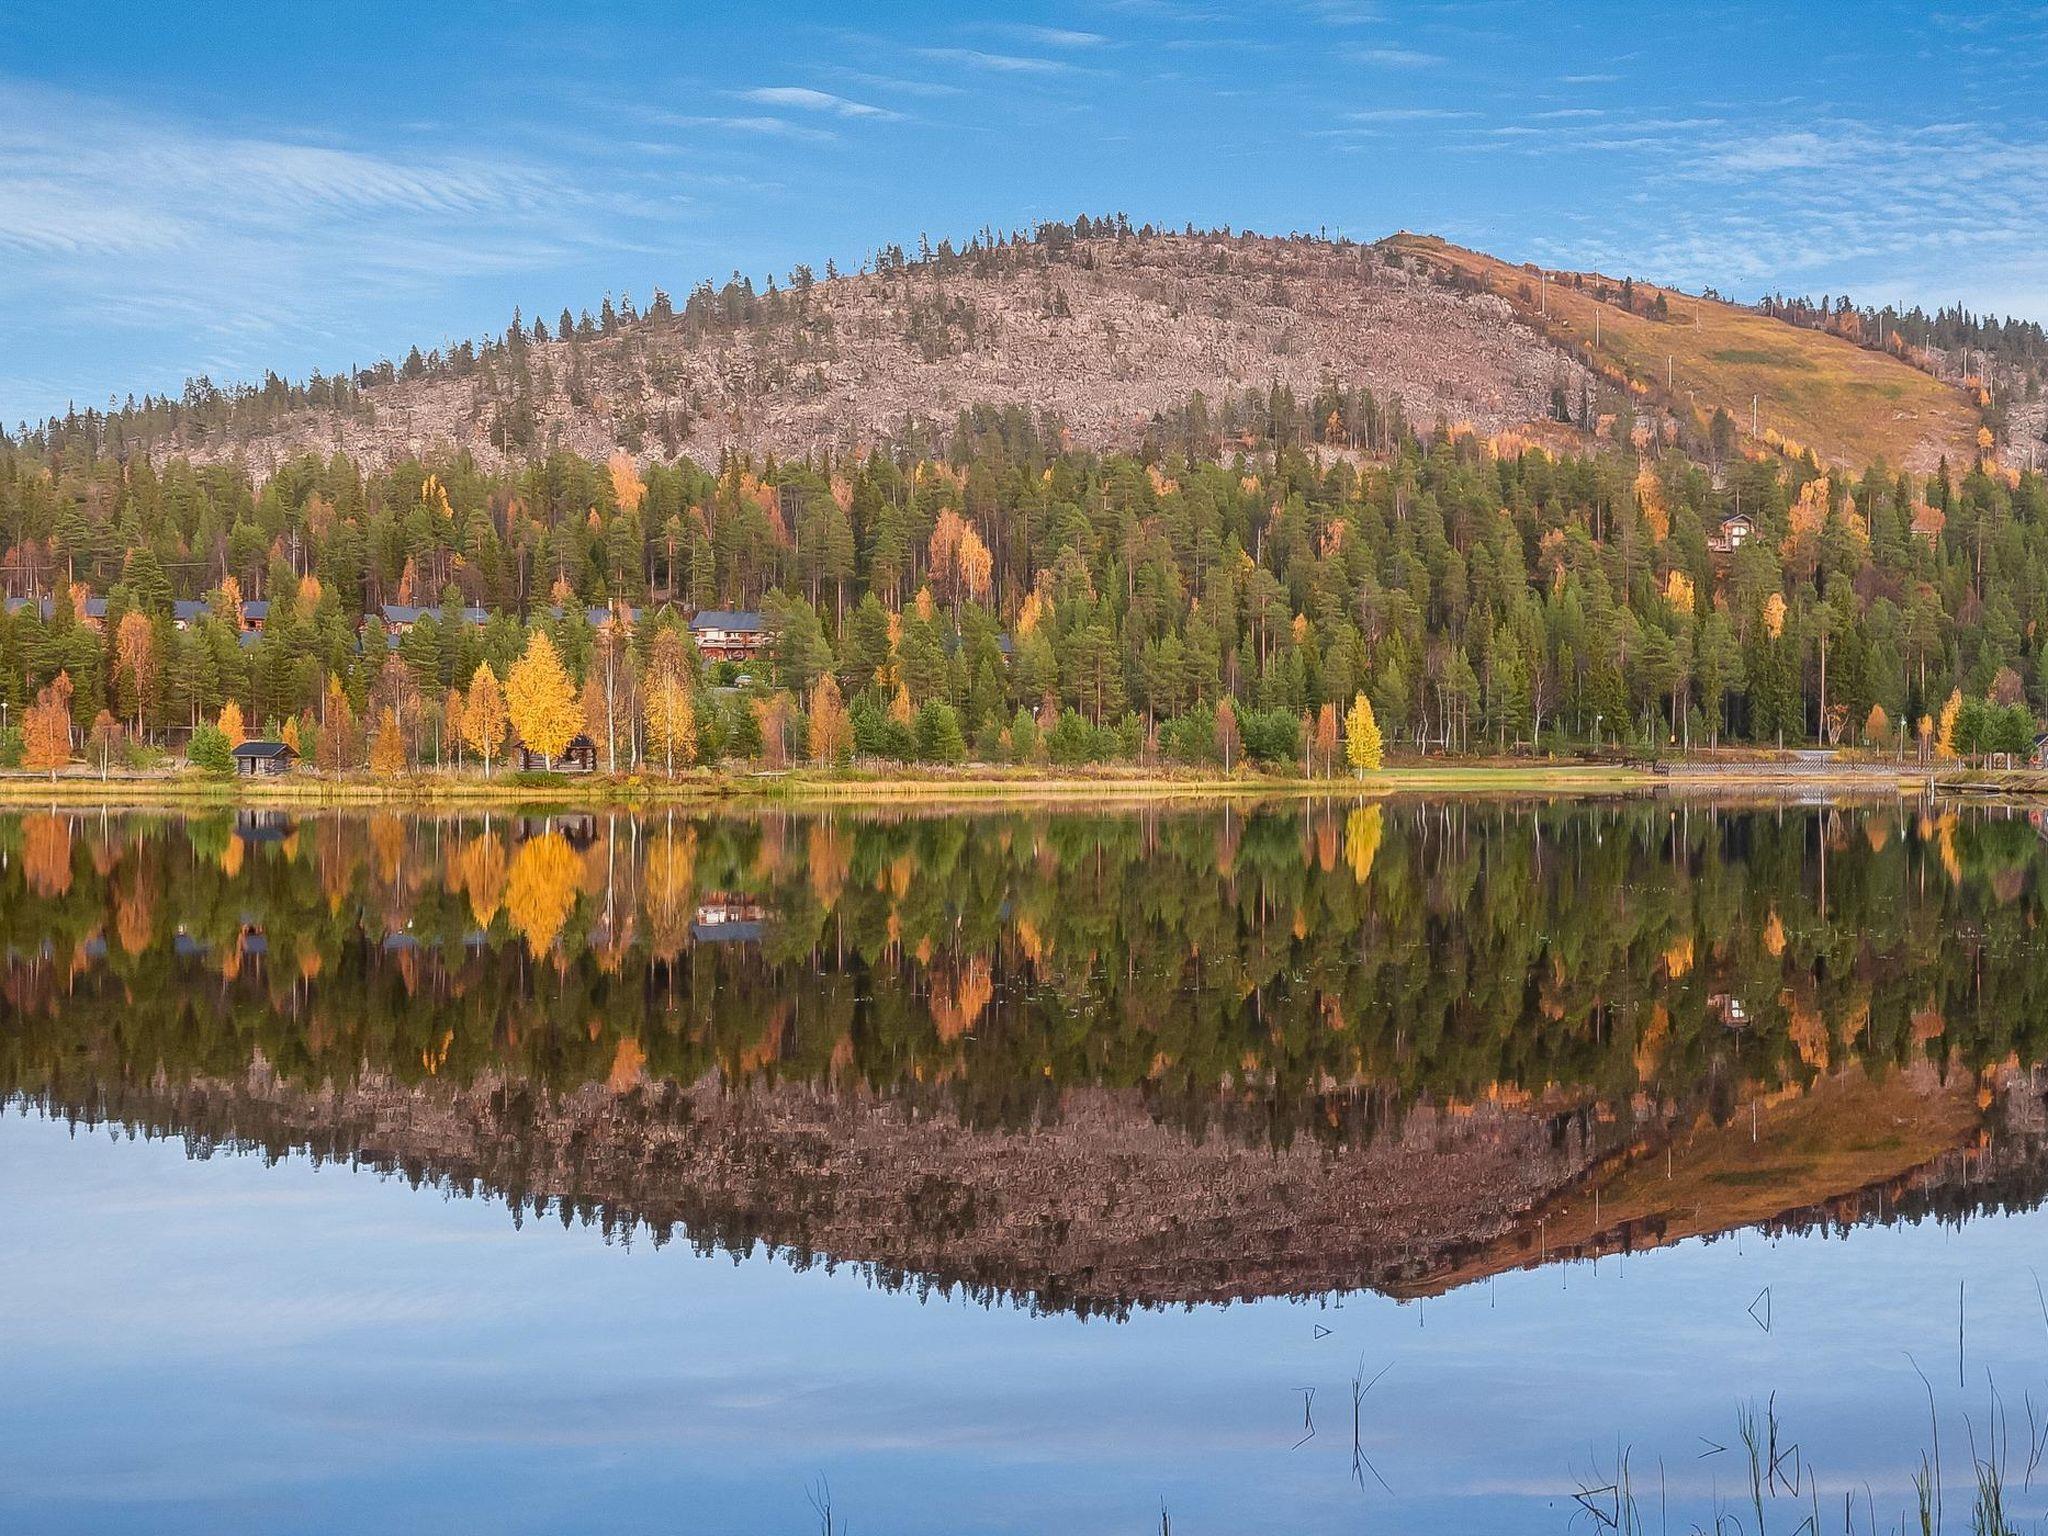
[187, 611]
[730, 634]
[1733, 533]
[579, 756]
[264, 759]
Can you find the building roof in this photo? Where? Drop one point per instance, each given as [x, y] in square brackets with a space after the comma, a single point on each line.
[738, 620]
[256, 608]
[186, 609]
[594, 615]
[265, 749]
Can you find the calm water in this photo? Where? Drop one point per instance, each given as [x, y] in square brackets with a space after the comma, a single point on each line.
[1020, 1171]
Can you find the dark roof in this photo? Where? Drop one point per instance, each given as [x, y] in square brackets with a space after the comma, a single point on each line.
[256, 608]
[594, 616]
[188, 608]
[743, 620]
[401, 613]
[254, 748]
[95, 607]
[737, 932]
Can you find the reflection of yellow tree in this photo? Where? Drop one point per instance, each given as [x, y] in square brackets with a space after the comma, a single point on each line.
[482, 867]
[135, 909]
[957, 1013]
[387, 842]
[46, 854]
[830, 857]
[1362, 831]
[671, 872]
[541, 889]
[628, 1062]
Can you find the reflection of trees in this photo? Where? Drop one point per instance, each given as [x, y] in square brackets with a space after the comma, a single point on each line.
[1308, 970]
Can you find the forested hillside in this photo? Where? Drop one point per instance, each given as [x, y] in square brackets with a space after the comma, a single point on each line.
[1000, 593]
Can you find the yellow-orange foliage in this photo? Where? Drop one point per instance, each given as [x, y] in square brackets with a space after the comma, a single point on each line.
[1774, 615]
[387, 745]
[231, 724]
[541, 889]
[46, 854]
[628, 489]
[1362, 832]
[46, 727]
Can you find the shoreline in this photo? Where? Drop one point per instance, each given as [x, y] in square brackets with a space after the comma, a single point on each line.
[802, 787]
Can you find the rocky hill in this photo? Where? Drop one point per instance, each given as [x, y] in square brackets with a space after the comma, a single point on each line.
[1104, 334]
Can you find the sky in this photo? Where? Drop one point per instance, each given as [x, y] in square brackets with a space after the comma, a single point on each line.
[223, 189]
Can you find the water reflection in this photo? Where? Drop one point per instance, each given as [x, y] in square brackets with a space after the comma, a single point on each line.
[1090, 1061]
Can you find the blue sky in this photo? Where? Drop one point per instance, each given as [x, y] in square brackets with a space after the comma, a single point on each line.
[222, 189]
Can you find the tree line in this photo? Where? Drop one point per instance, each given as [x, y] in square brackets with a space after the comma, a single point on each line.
[999, 596]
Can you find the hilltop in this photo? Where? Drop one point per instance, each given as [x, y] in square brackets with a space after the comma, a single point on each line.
[1108, 331]
[1810, 389]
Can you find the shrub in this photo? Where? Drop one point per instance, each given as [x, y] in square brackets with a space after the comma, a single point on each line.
[210, 753]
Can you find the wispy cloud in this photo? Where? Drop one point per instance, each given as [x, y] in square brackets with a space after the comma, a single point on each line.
[803, 98]
[1005, 63]
[1399, 58]
[1053, 37]
[1408, 114]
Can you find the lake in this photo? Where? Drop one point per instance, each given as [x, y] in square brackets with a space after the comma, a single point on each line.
[1419, 1165]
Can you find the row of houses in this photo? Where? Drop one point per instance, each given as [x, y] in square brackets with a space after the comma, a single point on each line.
[721, 634]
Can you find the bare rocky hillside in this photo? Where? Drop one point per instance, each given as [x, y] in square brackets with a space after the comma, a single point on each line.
[1102, 333]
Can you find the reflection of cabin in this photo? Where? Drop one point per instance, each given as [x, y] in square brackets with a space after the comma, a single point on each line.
[577, 829]
[264, 759]
[1729, 1010]
[253, 826]
[1733, 533]
[725, 918]
[729, 634]
[579, 756]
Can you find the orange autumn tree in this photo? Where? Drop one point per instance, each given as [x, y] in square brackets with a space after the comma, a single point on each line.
[231, 724]
[483, 715]
[387, 745]
[831, 729]
[46, 731]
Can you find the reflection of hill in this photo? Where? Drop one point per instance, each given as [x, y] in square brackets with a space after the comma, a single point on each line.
[1850, 1149]
[1107, 1209]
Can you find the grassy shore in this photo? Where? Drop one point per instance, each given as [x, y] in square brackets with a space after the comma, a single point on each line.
[973, 785]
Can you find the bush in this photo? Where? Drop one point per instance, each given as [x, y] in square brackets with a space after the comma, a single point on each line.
[1073, 740]
[1271, 736]
[1190, 738]
[12, 746]
[210, 753]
